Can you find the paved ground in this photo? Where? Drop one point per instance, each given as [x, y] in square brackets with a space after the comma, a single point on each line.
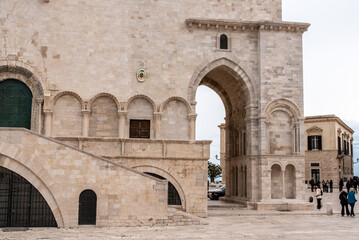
[255, 225]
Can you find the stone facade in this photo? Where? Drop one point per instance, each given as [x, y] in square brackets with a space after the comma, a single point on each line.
[331, 160]
[80, 59]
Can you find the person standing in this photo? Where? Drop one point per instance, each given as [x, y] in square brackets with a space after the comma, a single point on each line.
[318, 196]
[341, 185]
[351, 200]
[343, 196]
[331, 185]
[311, 182]
[323, 186]
[349, 184]
[355, 184]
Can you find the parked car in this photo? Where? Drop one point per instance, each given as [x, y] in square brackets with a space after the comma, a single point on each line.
[215, 194]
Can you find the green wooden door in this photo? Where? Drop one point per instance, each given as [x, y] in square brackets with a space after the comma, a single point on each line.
[15, 104]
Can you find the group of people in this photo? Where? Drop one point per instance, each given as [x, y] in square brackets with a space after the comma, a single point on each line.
[346, 197]
[326, 185]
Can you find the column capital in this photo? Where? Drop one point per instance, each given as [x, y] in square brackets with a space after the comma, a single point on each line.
[48, 111]
[158, 114]
[192, 116]
[85, 112]
[122, 113]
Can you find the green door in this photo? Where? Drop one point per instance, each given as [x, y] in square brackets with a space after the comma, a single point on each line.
[15, 104]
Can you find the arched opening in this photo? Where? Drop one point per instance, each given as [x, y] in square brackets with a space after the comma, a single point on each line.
[223, 41]
[289, 180]
[21, 204]
[234, 96]
[276, 182]
[87, 207]
[15, 104]
[173, 196]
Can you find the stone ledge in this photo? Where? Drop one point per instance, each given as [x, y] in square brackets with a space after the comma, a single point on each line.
[247, 25]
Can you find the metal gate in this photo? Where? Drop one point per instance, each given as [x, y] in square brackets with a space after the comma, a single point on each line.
[87, 208]
[15, 104]
[21, 204]
[173, 196]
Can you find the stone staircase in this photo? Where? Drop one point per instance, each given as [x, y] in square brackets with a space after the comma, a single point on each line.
[222, 208]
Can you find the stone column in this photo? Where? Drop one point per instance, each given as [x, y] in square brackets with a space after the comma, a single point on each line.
[39, 122]
[48, 121]
[158, 119]
[192, 126]
[283, 184]
[222, 145]
[85, 122]
[263, 136]
[297, 138]
[122, 124]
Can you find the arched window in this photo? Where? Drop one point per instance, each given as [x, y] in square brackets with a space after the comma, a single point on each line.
[223, 41]
[15, 104]
[87, 208]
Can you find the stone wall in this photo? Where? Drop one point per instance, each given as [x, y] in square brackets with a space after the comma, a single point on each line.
[183, 163]
[124, 196]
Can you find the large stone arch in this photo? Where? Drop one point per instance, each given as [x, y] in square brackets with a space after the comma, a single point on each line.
[224, 59]
[223, 73]
[9, 162]
[34, 84]
[168, 176]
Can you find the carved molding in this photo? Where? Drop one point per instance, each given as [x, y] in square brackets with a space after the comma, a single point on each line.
[246, 25]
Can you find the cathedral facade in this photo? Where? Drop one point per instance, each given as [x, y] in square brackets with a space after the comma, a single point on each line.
[108, 91]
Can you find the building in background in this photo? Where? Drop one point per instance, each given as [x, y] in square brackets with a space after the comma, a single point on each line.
[329, 149]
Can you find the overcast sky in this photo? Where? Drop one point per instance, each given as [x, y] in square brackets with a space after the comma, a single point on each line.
[331, 82]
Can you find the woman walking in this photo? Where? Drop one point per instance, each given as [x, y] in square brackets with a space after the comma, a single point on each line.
[351, 200]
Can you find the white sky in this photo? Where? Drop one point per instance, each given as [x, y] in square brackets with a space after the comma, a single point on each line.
[331, 53]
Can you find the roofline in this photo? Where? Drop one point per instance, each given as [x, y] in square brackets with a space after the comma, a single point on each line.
[325, 118]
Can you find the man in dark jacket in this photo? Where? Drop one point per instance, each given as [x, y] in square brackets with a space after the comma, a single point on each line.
[331, 185]
[341, 185]
[349, 184]
[343, 196]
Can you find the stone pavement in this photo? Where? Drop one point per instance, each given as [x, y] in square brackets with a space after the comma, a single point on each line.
[248, 224]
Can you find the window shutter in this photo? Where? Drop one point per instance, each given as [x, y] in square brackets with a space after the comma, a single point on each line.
[309, 143]
[319, 142]
[339, 146]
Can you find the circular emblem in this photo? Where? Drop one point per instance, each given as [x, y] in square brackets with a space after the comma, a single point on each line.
[141, 75]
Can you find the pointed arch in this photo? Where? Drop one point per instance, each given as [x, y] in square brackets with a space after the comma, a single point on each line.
[221, 59]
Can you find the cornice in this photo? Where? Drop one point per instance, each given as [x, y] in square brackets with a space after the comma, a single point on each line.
[246, 25]
[328, 118]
